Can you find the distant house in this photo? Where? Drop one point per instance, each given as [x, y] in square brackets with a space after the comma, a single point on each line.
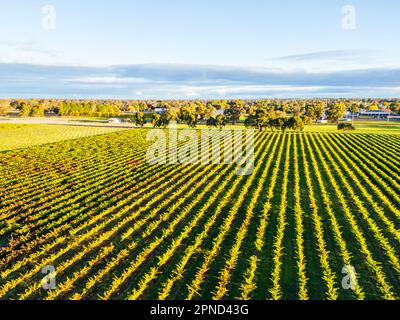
[383, 113]
[114, 120]
[322, 121]
[219, 112]
[160, 110]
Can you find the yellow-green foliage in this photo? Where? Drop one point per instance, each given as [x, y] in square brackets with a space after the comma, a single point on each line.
[115, 227]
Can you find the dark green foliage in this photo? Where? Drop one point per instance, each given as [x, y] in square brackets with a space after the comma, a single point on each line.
[346, 127]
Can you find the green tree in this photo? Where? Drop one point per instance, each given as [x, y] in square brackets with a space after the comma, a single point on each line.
[221, 121]
[37, 111]
[15, 104]
[295, 123]
[192, 120]
[4, 106]
[139, 119]
[251, 121]
[3, 111]
[25, 109]
[261, 116]
[168, 115]
[210, 112]
[235, 111]
[201, 109]
[336, 111]
[157, 123]
[308, 121]
[218, 104]
[212, 122]
[297, 108]
[355, 107]
[189, 115]
[279, 123]
[315, 110]
[396, 106]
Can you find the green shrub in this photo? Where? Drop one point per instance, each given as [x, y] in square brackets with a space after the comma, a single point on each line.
[346, 127]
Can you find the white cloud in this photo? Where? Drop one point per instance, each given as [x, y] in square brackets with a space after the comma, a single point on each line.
[107, 80]
[189, 82]
[336, 60]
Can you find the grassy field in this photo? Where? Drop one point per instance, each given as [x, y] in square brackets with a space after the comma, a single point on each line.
[376, 127]
[370, 127]
[15, 136]
[115, 227]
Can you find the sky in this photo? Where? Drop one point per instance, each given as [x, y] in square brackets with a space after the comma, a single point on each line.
[199, 49]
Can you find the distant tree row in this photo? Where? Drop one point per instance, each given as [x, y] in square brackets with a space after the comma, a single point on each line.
[192, 112]
[89, 109]
[30, 108]
[266, 118]
[4, 107]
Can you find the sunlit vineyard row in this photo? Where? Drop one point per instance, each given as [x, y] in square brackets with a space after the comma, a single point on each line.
[115, 227]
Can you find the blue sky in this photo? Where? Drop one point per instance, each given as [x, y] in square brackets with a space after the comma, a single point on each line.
[199, 49]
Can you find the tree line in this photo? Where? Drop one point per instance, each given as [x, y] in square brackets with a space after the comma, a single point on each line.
[261, 114]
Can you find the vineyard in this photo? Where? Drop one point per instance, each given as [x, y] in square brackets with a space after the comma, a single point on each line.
[115, 227]
[16, 136]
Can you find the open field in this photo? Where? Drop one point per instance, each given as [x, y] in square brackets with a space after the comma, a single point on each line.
[116, 227]
[377, 127]
[16, 136]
